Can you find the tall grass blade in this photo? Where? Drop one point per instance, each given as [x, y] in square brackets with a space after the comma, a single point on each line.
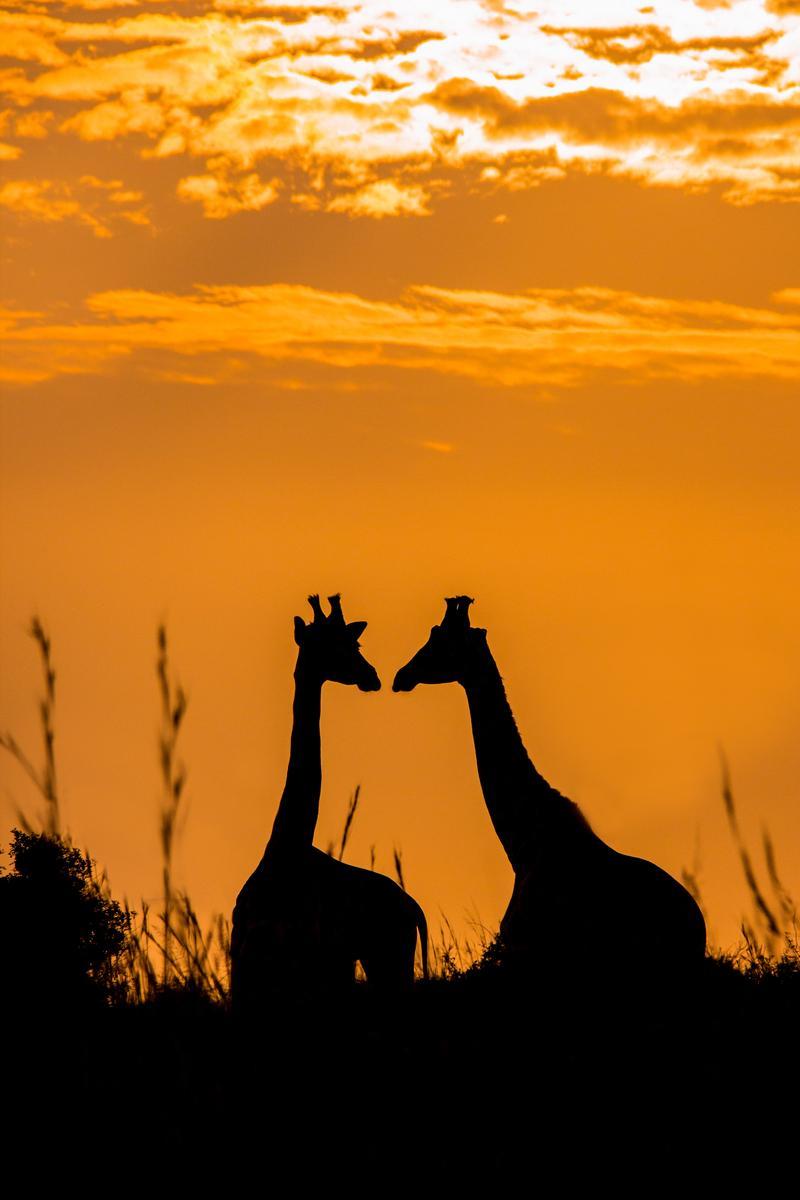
[348, 821]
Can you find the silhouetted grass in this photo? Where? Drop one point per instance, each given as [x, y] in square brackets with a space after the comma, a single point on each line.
[770, 919]
[191, 958]
[352, 808]
[44, 777]
[173, 776]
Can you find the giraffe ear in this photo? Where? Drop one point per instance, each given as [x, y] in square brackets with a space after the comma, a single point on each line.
[356, 628]
[299, 630]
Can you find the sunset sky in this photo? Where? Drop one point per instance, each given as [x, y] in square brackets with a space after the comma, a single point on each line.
[462, 296]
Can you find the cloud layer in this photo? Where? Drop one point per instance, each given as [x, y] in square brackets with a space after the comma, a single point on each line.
[545, 336]
[355, 108]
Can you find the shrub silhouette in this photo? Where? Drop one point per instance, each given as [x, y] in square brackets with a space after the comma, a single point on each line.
[60, 932]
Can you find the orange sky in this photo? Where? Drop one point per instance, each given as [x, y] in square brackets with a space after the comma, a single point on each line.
[466, 296]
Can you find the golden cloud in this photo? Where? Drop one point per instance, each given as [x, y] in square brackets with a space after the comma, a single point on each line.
[543, 336]
[34, 124]
[93, 202]
[383, 198]
[222, 195]
[90, 5]
[41, 199]
[290, 14]
[637, 44]
[599, 115]
[611, 129]
[317, 86]
[30, 38]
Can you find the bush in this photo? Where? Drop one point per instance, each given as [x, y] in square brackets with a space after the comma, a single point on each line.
[60, 933]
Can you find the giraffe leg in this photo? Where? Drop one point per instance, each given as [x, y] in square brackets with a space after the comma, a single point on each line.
[389, 963]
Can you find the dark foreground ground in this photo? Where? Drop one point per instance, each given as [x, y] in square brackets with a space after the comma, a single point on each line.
[482, 1076]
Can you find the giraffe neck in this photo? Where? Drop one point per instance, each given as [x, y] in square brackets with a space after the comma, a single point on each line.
[527, 813]
[296, 819]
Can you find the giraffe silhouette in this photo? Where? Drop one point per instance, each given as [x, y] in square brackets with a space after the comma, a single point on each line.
[303, 918]
[575, 899]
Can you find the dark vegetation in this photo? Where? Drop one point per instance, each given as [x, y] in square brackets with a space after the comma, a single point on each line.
[117, 1021]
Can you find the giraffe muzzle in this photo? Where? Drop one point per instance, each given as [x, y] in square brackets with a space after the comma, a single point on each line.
[404, 681]
[370, 683]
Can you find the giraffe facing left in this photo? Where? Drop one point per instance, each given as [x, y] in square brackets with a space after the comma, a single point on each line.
[303, 919]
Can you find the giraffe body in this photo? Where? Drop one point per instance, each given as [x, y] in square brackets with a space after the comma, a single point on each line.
[308, 926]
[599, 908]
[303, 919]
[575, 899]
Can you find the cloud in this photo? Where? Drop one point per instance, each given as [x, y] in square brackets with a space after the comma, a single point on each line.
[330, 75]
[787, 296]
[316, 88]
[42, 199]
[34, 124]
[637, 44]
[132, 113]
[221, 196]
[555, 337]
[197, 73]
[611, 130]
[383, 198]
[30, 40]
[289, 14]
[634, 45]
[386, 83]
[92, 5]
[391, 47]
[611, 117]
[522, 171]
[95, 203]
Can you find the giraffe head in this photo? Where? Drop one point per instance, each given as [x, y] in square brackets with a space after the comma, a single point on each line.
[448, 654]
[330, 647]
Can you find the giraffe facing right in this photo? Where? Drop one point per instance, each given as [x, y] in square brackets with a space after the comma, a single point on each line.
[303, 918]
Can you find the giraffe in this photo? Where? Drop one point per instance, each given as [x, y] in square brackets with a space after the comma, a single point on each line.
[574, 897]
[303, 918]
